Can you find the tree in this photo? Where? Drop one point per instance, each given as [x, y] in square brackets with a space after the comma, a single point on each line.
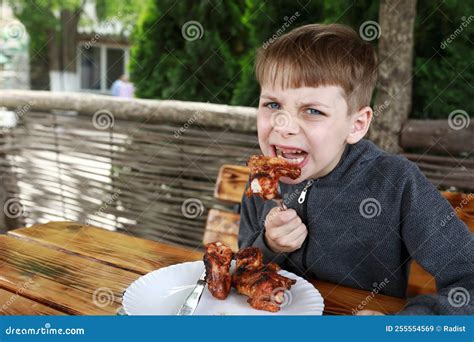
[394, 89]
[189, 50]
[443, 72]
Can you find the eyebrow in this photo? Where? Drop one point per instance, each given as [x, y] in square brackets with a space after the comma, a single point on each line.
[312, 103]
[306, 104]
[269, 97]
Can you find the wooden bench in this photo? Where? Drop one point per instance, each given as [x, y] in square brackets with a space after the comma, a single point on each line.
[230, 187]
[224, 226]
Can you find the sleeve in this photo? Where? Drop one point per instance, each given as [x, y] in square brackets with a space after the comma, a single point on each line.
[114, 90]
[442, 244]
[253, 212]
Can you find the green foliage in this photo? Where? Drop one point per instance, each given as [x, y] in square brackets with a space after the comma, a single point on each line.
[443, 70]
[166, 65]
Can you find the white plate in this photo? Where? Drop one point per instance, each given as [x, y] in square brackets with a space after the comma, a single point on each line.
[162, 292]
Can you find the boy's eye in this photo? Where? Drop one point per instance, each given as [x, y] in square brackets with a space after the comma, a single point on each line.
[313, 111]
[272, 105]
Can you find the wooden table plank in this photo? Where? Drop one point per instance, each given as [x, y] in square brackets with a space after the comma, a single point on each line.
[13, 304]
[342, 300]
[69, 283]
[121, 250]
[143, 256]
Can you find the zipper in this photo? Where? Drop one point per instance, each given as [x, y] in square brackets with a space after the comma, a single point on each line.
[305, 190]
[301, 200]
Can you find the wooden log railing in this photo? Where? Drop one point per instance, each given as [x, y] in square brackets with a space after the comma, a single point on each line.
[438, 136]
[442, 150]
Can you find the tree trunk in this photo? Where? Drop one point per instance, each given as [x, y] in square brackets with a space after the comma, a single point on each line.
[53, 51]
[394, 88]
[62, 52]
[69, 23]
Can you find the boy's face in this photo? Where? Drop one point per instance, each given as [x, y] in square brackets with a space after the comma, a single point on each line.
[313, 121]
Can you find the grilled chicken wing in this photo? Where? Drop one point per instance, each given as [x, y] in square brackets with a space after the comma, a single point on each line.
[265, 173]
[261, 283]
[217, 260]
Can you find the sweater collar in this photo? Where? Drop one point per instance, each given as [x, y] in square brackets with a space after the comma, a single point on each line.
[353, 157]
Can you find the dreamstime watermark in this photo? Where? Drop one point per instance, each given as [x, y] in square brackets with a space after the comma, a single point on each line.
[46, 330]
[14, 30]
[465, 200]
[288, 22]
[98, 35]
[19, 112]
[379, 109]
[370, 30]
[459, 297]
[13, 208]
[287, 199]
[458, 119]
[369, 208]
[192, 208]
[104, 206]
[102, 297]
[17, 294]
[192, 30]
[178, 132]
[280, 119]
[281, 296]
[465, 23]
[377, 288]
[103, 119]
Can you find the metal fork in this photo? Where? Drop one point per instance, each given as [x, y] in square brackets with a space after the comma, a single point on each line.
[280, 201]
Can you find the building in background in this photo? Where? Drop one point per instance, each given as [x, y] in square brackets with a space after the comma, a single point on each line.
[101, 55]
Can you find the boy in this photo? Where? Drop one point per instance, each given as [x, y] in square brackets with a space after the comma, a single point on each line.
[357, 215]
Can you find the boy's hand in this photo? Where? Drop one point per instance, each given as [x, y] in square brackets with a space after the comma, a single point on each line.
[284, 231]
[369, 313]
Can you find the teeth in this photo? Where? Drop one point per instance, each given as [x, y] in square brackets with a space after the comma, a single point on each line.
[280, 153]
[288, 151]
[294, 161]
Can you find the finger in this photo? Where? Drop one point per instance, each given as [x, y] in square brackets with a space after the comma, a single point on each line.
[286, 229]
[295, 245]
[369, 313]
[294, 239]
[296, 232]
[301, 238]
[269, 220]
[283, 216]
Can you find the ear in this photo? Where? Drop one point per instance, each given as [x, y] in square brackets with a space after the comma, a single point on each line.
[360, 123]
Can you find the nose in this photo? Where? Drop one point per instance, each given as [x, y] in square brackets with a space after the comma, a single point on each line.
[284, 123]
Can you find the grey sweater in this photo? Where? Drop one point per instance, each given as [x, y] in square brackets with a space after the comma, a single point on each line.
[366, 220]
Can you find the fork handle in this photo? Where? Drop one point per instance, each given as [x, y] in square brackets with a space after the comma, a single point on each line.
[281, 204]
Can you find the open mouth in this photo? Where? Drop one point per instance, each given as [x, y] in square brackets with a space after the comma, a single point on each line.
[292, 155]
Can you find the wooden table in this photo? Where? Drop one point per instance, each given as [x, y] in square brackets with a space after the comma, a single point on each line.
[67, 268]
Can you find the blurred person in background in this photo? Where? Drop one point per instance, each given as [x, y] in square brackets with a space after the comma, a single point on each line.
[122, 87]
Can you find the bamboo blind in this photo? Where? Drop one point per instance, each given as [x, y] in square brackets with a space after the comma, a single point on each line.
[153, 180]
